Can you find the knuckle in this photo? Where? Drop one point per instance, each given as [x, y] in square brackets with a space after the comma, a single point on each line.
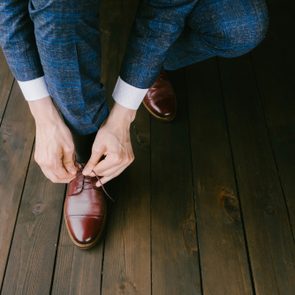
[130, 159]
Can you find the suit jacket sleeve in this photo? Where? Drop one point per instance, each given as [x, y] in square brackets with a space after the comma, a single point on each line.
[157, 25]
[17, 40]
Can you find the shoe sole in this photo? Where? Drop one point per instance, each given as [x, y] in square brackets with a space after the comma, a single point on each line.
[94, 242]
[156, 116]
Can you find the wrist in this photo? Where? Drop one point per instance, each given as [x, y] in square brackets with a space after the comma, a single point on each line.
[44, 111]
[120, 115]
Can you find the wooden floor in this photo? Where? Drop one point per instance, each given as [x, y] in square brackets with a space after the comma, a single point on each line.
[208, 207]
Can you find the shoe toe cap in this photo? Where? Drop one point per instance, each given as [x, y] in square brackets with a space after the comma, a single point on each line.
[85, 230]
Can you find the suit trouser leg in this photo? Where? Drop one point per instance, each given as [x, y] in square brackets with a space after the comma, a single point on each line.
[68, 40]
[226, 28]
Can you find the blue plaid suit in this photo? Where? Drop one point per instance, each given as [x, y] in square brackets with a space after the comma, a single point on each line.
[61, 40]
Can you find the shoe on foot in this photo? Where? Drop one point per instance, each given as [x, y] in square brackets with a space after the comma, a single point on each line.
[85, 210]
[160, 99]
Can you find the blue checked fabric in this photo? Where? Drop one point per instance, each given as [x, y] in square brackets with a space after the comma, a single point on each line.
[61, 40]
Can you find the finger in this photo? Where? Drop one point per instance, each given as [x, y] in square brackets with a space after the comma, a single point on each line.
[69, 163]
[105, 179]
[94, 159]
[49, 175]
[108, 172]
[112, 170]
[61, 176]
[59, 170]
[111, 162]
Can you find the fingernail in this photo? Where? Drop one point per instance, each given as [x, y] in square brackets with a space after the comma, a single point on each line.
[98, 184]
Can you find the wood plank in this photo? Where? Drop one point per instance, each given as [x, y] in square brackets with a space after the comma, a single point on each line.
[16, 141]
[77, 271]
[32, 255]
[175, 263]
[276, 85]
[271, 246]
[126, 268]
[224, 261]
[6, 81]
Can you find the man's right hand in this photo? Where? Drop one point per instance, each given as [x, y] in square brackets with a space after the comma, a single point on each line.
[54, 147]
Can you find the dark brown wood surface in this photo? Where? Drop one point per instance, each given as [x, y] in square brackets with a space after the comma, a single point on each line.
[220, 223]
[76, 271]
[126, 265]
[16, 141]
[268, 230]
[279, 99]
[206, 208]
[175, 253]
[6, 81]
[32, 254]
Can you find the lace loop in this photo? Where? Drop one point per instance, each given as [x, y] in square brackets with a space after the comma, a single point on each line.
[102, 186]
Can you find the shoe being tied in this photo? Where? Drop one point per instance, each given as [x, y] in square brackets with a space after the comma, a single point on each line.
[85, 210]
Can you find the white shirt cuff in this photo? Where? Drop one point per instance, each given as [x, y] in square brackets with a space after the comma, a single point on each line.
[127, 95]
[34, 89]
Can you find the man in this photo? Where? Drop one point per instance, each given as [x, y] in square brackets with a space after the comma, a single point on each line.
[53, 50]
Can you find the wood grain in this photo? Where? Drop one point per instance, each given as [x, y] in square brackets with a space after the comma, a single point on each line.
[224, 260]
[6, 82]
[268, 231]
[276, 85]
[16, 141]
[175, 263]
[126, 268]
[77, 271]
[32, 255]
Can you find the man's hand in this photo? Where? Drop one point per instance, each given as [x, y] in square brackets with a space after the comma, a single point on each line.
[54, 147]
[112, 150]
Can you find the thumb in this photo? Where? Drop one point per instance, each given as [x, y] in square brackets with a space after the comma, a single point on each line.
[68, 162]
[94, 159]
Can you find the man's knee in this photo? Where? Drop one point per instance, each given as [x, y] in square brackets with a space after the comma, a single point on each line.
[237, 36]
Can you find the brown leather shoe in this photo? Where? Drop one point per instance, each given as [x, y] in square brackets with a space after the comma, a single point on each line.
[160, 99]
[85, 210]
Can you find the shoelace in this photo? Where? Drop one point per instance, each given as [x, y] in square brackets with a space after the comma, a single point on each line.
[102, 186]
[87, 180]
